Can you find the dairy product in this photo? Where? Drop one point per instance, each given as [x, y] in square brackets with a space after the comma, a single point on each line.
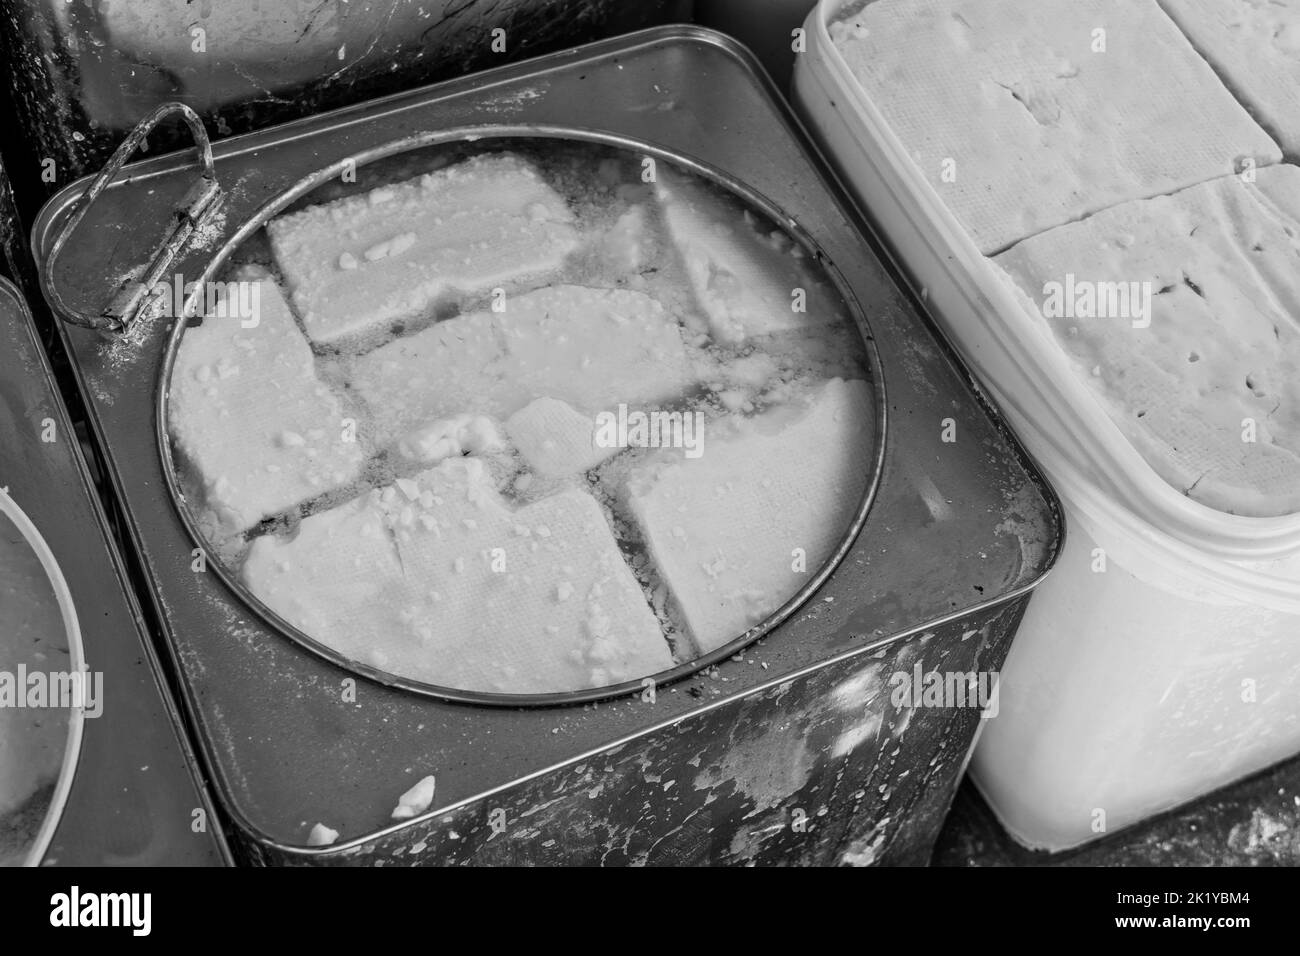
[1254, 45]
[337, 580]
[416, 800]
[1209, 390]
[321, 835]
[387, 256]
[462, 590]
[261, 432]
[747, 281]
[448, 437]
[1024, 116]
[591, 348]
[555, 440]
[477, 534]
[801, 466]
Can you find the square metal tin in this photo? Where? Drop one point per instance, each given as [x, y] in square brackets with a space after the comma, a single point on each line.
[136, 790]
[790, 751]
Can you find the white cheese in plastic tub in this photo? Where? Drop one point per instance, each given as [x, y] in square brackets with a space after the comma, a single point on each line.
[1012, 350]
[1079, 727]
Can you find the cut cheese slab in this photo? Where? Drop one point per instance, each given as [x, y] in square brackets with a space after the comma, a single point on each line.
[770, 493]
[535, 600]
[590, 348]
[465, 592]
[1254, 45]
[1210, 391]
[260, 430]
[364, 262]
[338, 580]
[32, 739]
[555, 440]
[1028, 115]
[748, 278]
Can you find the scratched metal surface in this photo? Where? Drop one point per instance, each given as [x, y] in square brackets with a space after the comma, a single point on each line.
[815, 770]
[958, 531]
[135, 793]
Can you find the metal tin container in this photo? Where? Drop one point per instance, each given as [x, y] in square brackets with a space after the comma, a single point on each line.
[15, 258]
[135, 798]
[83, 72]
[789, 751]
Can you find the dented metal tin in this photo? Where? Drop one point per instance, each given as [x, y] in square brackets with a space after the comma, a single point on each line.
[135, 798]
[795, 749]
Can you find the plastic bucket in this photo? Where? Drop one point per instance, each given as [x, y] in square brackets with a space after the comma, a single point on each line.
[1144, 675]
[1124, 693]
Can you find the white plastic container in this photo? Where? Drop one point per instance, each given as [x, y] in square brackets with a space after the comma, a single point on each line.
[1117, 700]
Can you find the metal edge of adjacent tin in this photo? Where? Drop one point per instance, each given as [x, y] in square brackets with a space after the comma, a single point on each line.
[84, 811]
[36, 543]
[376, 110]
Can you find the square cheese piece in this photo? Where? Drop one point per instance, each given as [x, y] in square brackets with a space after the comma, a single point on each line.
[748, 278]
[555, 440]
[1209, 391]
[1027, 115]
[337, 580]
[247, 412]
[438, 580]
[1254, 45]
[590, 348]
[726, 529]
[363, 262]
[534, 600]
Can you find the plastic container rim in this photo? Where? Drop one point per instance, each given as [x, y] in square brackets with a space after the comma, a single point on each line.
[1230, 537]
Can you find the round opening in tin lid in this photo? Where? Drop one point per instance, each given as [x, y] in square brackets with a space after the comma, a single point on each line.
[41, 689]
[523, 418]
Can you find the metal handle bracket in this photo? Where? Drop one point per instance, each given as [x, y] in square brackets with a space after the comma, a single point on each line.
[200, 200]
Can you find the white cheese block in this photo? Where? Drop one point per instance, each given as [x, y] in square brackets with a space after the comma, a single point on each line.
[748, 278]
[1210, 391]
[321, 835]
[249, 415]
[739, 530]
[1021, 122]
[337, 580]
[1254, 45]
[536, 600]
[32, 739]
[456, 589]
[556, 440]
[628, 246]
[366, 261]
[449, 437]
[591, 348]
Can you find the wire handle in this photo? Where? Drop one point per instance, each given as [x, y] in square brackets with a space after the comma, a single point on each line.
[199, 201]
